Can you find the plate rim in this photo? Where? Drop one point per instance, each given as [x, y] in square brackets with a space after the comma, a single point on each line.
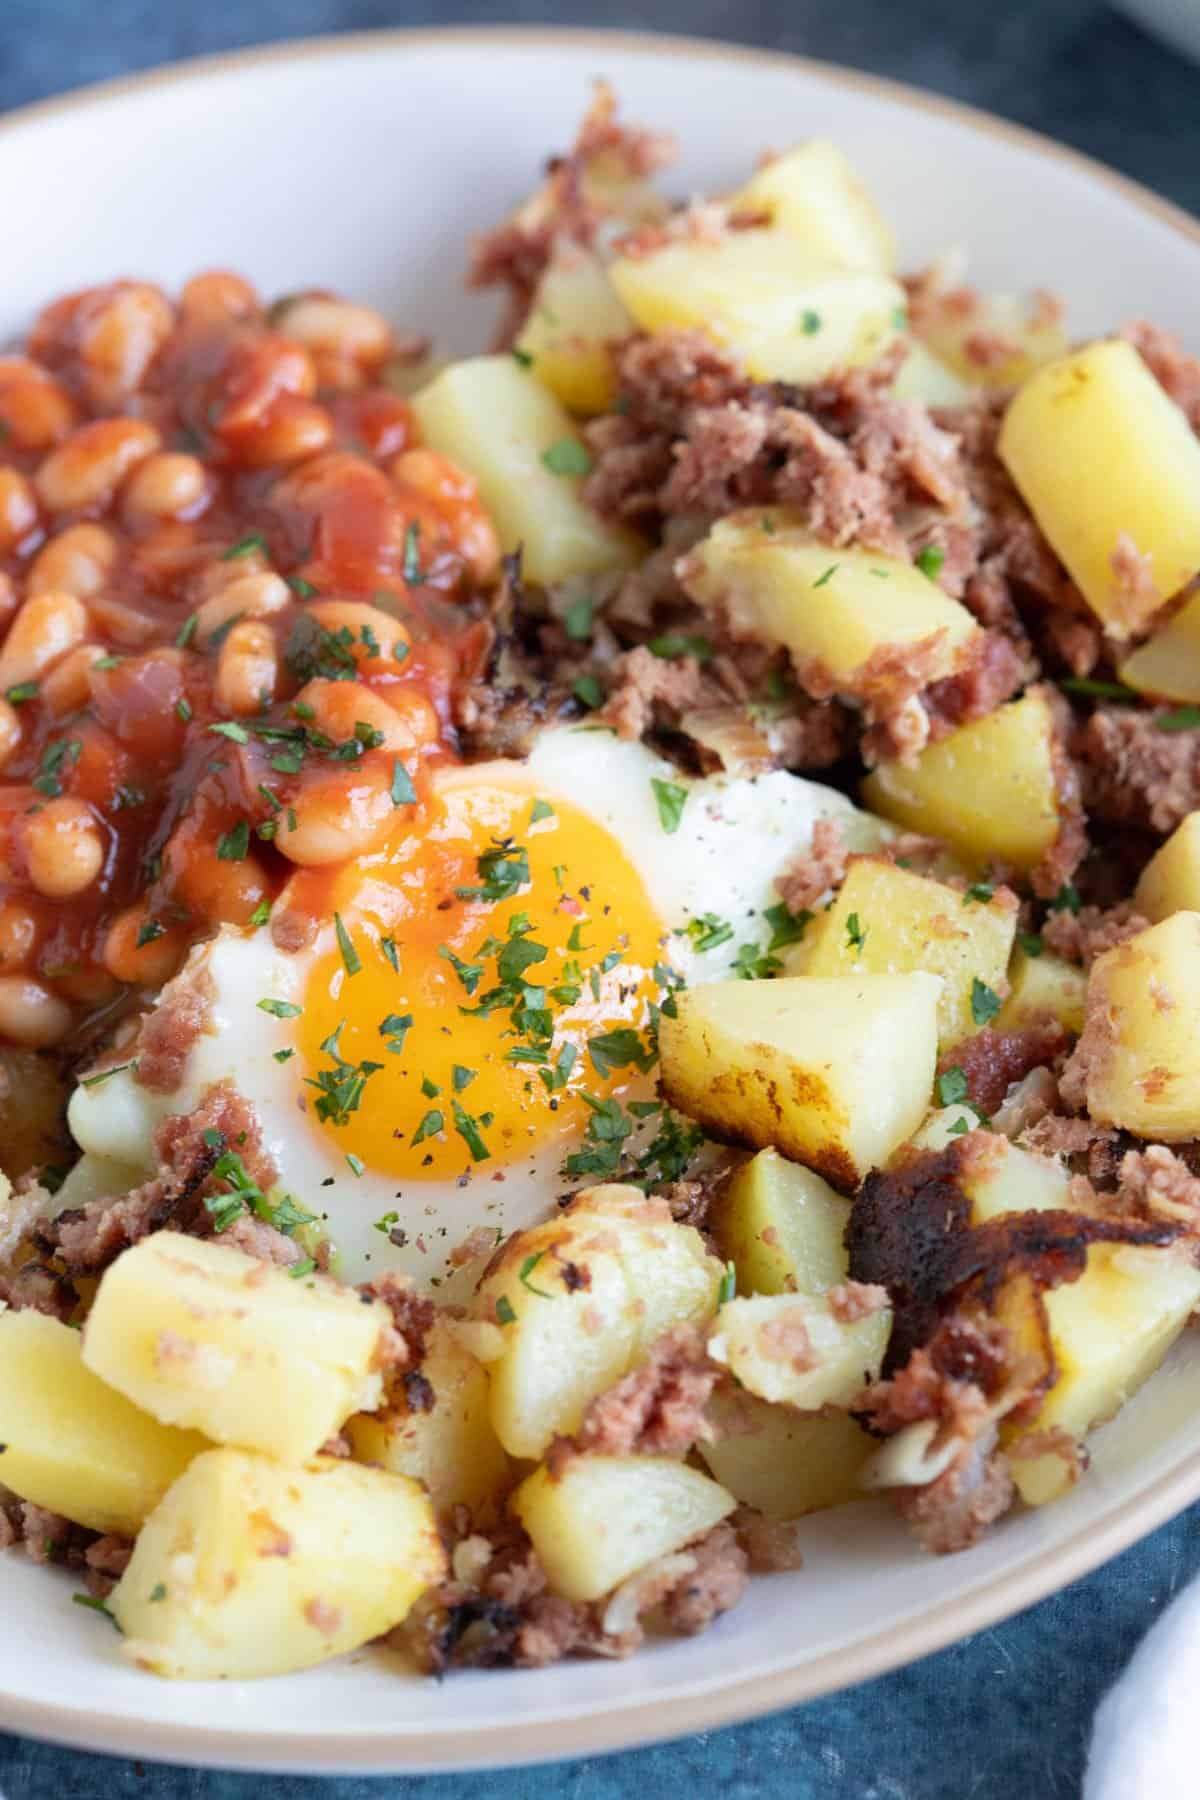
[633, 1723]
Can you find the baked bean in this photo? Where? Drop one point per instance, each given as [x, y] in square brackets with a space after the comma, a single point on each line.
[90, 987]
[68, 685]
[338, 707]
[46, 627]
[293, 429]
[336, 328]
[18, 935]
[219, 892]
[35, 411]
[88, 469]
[120, 331]
[10, 730]
[165, 486]
[258, 372]
[245, 597]
[338, 816]
[80, 560]
[151, 961]
[456, 496]
[63, 847]
[380, 644]
[416, 711]
[217, 296]
[18, 510]
[8, 598]
[30, 1014]
[247, 669]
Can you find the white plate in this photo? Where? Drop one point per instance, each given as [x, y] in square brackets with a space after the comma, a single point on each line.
[365, 163]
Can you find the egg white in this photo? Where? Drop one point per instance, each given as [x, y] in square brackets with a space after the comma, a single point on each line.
[734, 837]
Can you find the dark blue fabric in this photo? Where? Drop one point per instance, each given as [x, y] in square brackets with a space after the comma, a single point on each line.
[1006, 1715]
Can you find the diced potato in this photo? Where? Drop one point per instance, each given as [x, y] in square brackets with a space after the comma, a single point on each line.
[832, 610]
[988, 789]
[792, 1349]
[786, 314]
[452, 1449]
[1043, 987]
[1110, 1330]
[782, 1227]
[994, 340]
[564, 1339]
[1167, 665]
[888, 921]
[1143, 1055]
[1007, 1179]
[1170, 882]
[606, 1517]
[812, 193]
[924, 377]
[781, 1462]
[1102, 456]
[71, 1444]
[496, 419]
[247, 1568]
[199, 1334]
[569, 333]
[833, 1072]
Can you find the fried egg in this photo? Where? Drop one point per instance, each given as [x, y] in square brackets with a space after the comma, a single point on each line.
[470, 1034]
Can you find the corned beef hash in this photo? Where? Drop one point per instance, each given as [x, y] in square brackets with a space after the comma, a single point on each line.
[601, 943]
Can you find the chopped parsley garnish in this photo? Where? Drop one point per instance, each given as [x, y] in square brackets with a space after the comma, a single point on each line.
[97, 1606]
[931, 561]
[503, 871]
[233, 845]
[62, 751]
[522, 358]
[1066, 900]
[183, 709]
[985, 1002]
[304, 589]
[786, 927]
[900, 318]
[429, 1087]
[356, 1163]
[304, 1267]
[21, 691]
[282, 1056]
[526, 1270]
[1181, 718]
[106, 662]
[403, 791]
[468, 1130]
[462, 1078]
[261, 913]
[810, 322]
[542, 809]
[340, 1089]
[350, 957]
[567, 457]
[288, 1215]
[186, 632]
[1030, 943]
[149, 932]
[951, 1086]
[856, 934]
[394, 1029]
[470, 974]
[315, 652]
[430, 1125]
[504, 1311]
[229, 728]
[827, 575]
[728, 1287]
[412, 571]
[670, 799]
[753, 963]
[607, 1129]
[617, 1049]
[1095, 689]
[280, 1009]
[768, 524]
[385, 1224]
[158, 1591]
[982, 891]
[707, 931]
[90, 1081]
[675, 644]
[388, 946]
[245, 547]
[577, 619]
[588, 690]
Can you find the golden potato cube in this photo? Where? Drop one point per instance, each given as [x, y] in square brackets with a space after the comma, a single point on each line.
[1139, 1039]
[564, 1341]
[605, 1517]
[200, 1334]
[782, 1462]
[496, 420]
[793, 1349]
[1103, 458]
[568, 336]
[1006, 1180]
[996, 342]
[835, 611]
[1170, 882]
[888, 921]
[835, 1073]
[1110, 1331]
[1167, 665]
[1043, 987]
[812, 193]
[989, 789]
[249, 1568]
[782, 1227]
[925, 378]
[784, 313]
[452, 1449]
[73, 1445]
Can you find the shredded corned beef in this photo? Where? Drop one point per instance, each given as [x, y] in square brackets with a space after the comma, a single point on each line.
[1171, 365]
[810, 875]
[1134, 772]
[993, 1060]
[1082, 936]
[655, 1410]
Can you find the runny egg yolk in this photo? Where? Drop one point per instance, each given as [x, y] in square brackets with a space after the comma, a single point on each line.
[486, 973]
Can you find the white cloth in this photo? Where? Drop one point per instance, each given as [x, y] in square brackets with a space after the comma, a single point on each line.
[1146, 1737]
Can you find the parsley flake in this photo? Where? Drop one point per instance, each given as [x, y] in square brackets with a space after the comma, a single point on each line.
[676, 644]
[952, 1086]
[588, 690]
[279, 1009]
[567, 457]
[856, 935]
[810, 322]
[827, 575]
[245, 547]
[413, 573]
[1181, 718]
[670, 799]
[403, 791]
[526, 1270]
[985, 1002]
[20, 692]
[233, 845]
[931, 560]
[350, 956]
[728, 1287]
[429, 1127]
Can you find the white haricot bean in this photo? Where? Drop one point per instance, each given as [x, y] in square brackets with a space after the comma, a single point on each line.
[375, 635]
[247, 669]
[337, 328]
[166, 486]
[47, 626]
[18, 509]
[68, 685]
[63, 845]
[337, 817]
[120, 339]
[18, 935]
[90, 466]
[339, 707]
[30, 1014]
[10, 731]
[246, 597]
[80, 559]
